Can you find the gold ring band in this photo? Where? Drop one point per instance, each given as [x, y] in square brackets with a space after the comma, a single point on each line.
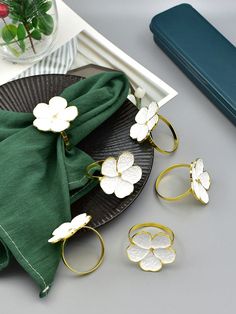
[65, 139]
[151, 225]
[176, 140]
[162, 175]
[99, 262]
[91, 166]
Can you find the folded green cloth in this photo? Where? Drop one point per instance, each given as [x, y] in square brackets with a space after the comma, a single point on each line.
[40, 178]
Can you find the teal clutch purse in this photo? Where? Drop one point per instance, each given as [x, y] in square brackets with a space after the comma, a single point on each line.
[201, 52]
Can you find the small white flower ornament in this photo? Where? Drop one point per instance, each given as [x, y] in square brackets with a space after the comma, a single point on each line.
[139, 93]
[68, 229]
[146, 119]
[55, 116]
[120, 175]
[200, 181]
[151, 251]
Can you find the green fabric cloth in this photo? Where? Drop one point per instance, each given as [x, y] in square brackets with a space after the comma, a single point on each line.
[38, 175]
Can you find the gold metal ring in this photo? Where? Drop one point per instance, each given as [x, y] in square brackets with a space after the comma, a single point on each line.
[151, 225]
[65, 139]
[199, 182]
[176, 140]
[151, 250]
[100, 259]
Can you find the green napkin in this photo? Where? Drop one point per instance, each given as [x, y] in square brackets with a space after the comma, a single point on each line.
[40, 179]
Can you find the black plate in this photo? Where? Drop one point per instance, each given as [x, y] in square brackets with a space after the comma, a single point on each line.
[112, 138]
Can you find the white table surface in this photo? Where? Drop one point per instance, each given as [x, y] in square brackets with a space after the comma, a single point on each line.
[203, 278]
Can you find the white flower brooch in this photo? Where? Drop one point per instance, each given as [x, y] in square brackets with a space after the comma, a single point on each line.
[68, 229]
[151, 251]
[55, 116]
[146, 120]
[118, 175]
[200, 181]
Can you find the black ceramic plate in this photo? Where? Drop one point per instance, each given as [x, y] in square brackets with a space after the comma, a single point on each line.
[112, 138]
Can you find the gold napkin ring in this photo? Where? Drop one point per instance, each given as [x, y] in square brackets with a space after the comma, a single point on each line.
[100, 259]
[66, 230]
[175, 138]
[199, 182]
[146, 120]
[151, 250]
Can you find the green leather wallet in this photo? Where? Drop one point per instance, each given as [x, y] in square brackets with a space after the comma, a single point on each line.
[201, 52]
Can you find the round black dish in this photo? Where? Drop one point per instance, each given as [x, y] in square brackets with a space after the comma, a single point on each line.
[112, 138]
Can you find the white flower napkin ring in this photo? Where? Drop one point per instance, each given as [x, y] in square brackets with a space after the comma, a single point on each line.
[66, 230]
[199, 182]
[55, 116]
[118, 175]
[146, 120]
[151, 250]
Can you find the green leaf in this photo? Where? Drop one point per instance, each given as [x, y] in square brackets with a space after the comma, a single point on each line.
[35, 22]
[46, 24]
[22, 45]
[45, 7]
[36, 34]
[21, 32]
[9, 32]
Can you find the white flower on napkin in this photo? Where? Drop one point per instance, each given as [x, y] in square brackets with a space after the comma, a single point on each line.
[55, 116]
[67, 229]
[200, 181]
[151, 252]
[146, 119]
[119, 176]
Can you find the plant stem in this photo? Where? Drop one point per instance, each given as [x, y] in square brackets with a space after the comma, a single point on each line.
[30, 38]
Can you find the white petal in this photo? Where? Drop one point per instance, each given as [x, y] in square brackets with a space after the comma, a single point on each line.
[132, 99]
[143, 133]
[152, 110]
[68, 114]
[205, 180]
[55, 239]
[42, 111]
[141, 116]
[195, 187]
[125, 161]
[161, 240]
[42, 124]
[132, 175]
[139, 132]
[166, 255]
[59, 125]
[199, 166]
[151, 263]
[152, 122]
[80, 221]
[123, 188]
[143, 239]
[139, 92]
[109, 167]
[62, 230]
[204, 197]
[57, 104]
[134, 131]
[135, 253]
[199, 192]
[108, 184]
